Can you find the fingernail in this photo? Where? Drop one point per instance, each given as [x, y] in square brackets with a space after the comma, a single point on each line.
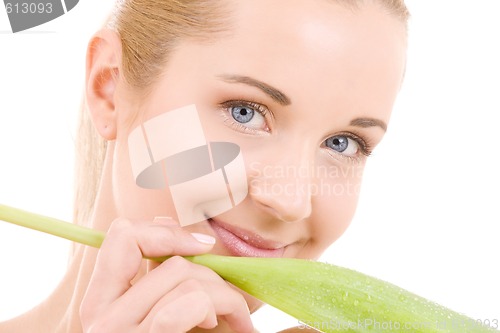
[202, 238]
[165, 220]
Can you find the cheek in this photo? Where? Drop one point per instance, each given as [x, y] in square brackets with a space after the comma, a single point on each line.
[132, 201]
[333, 208]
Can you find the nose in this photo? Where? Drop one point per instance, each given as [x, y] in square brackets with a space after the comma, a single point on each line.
[283, 188]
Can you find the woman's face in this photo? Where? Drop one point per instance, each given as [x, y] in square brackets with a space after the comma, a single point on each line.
[306, 89]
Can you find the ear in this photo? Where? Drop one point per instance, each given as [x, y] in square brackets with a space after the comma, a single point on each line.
[102, 75]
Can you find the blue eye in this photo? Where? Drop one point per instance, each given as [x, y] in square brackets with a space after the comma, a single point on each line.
[247, 115]
[242, 114]
[342, 144]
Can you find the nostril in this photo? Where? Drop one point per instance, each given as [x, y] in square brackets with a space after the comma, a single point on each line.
[285, 208]
[296, 212]
[283, 192]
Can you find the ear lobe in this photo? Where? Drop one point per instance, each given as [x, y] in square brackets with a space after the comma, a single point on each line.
[102, 75]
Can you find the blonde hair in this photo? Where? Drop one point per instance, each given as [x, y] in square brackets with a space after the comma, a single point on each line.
[149, 31]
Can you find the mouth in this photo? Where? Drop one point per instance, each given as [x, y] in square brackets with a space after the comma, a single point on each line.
[243, 243]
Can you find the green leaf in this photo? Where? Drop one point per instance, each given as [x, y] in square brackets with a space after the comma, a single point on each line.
[326, 297]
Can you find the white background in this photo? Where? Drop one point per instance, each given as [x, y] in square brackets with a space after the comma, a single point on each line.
[428, 218]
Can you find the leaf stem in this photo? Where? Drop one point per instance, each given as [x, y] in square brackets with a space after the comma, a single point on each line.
[52, 226]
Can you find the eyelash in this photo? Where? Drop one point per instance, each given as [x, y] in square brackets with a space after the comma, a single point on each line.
[365, 148]
[261, 109]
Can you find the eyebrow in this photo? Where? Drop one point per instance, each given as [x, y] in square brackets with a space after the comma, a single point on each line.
[272, 92]
[283, 99]
[369, 122]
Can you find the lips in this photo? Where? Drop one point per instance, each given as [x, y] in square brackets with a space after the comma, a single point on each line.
[243, 243]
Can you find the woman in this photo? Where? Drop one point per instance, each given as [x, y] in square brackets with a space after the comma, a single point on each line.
[305, 88]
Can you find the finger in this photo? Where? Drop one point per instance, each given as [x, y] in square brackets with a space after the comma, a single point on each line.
[226, 300]
[140, 298]
[121, 255]
[183, 313]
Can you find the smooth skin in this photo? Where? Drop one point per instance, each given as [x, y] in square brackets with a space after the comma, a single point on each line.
[340, 69]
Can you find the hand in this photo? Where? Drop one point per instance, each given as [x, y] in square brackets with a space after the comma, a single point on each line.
[174, 297]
